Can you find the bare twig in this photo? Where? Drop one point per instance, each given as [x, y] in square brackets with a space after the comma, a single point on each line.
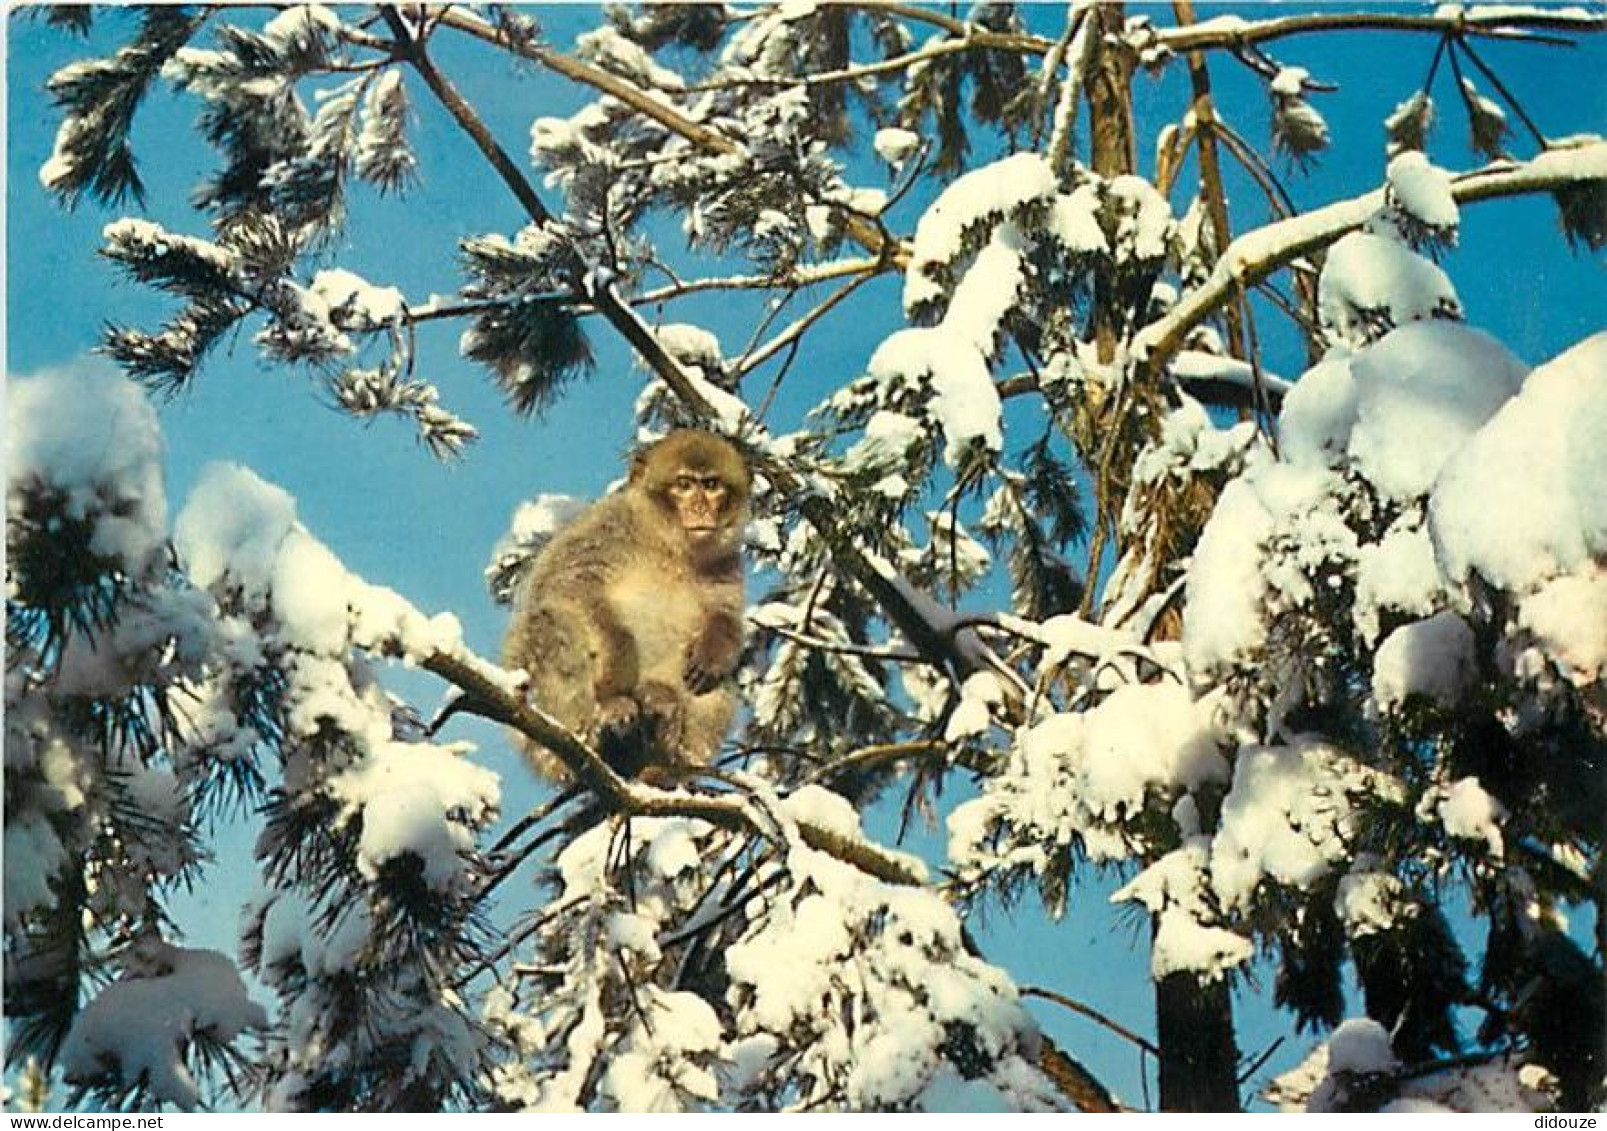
[1092, 1014]
[869, 651]
[1501, 89]
[798, 327]
[1256, 165]
[867, 756]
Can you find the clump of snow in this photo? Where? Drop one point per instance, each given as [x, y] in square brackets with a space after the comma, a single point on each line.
[1397, 574]
[1290, 81]
[1431, 658]
[165, 633]
[1371, 283]
[981, 195]
[613, 51]
[1079, 777]
[1370, 902]
[963, 400]
[1522, 502]
[972, 717]
[1184, 945]
[140, 1029]
[90, 438]
[355, 302]
[232, 527]
[987, 291]
[1420, 393]
[1222, 622]
[661, 1061]
[294, 946]
[691, 345]
[1144, 224]
[895, 145]
[1568, 619]
[1146, 735]
[913, 987]
[419, 800]
[1357, 1066]
[238, 533]
[1187, 937]
[1319, 412]
[1467, 811]
[35, 858]
[1074, 221]
[300, 22]
[885, 444]
[1361, 1045]
[1275, 531]
[1287, 817]
[1422, 191]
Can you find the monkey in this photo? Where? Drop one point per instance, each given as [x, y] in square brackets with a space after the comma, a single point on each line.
[629, 622]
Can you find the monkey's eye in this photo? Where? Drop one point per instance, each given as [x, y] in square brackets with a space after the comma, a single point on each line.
[684, 482]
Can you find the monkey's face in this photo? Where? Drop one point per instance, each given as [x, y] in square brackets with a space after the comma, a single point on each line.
[700, 501]
[698, 484]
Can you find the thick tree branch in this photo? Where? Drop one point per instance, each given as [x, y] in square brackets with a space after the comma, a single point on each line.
[1211, 186]
[488, 692]
[412, 50]
[1232, 32]
[1256, 255]
[646, 103]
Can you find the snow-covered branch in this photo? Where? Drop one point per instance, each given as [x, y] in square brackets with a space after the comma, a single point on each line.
[648, 104]
[1255, 255]
[1502, 21]
[492, 692]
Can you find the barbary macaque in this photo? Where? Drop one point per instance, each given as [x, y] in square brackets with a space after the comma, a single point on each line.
[629, 622]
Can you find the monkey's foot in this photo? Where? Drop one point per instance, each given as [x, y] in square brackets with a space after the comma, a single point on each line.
[663, 714]
[618, 716]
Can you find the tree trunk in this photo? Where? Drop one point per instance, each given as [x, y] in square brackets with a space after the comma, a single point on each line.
[1199, 1056]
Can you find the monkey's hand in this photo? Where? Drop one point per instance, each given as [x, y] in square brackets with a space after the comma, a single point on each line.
[712, 657]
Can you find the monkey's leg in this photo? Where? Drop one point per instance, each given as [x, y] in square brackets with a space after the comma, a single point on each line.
[617, 671]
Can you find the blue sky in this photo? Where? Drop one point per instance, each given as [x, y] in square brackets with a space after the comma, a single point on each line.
[399, 518]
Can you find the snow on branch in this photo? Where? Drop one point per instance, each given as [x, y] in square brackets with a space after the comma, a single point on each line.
[1255, 255]
[493, 693]
[1494, 20]
[647, 103]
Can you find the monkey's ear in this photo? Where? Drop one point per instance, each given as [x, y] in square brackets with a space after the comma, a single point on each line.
[638, 466]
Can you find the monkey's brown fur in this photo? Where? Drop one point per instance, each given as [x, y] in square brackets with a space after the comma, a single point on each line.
[630, 620]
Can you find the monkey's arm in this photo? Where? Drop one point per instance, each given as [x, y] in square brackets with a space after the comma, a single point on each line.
[712, 655]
